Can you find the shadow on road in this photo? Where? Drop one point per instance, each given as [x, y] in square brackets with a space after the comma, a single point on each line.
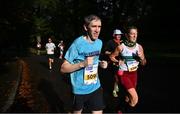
[55, 104]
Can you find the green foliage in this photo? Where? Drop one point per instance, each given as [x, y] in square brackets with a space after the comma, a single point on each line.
[41, 26]
[63, 18]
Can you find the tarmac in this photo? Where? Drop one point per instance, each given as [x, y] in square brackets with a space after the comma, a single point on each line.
[10, 78]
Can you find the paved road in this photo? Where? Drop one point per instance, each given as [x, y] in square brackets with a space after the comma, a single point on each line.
[44, 90]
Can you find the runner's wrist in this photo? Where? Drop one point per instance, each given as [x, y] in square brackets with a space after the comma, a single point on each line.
[82, 64]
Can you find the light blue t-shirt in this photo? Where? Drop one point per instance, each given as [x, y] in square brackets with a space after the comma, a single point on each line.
[77, 52]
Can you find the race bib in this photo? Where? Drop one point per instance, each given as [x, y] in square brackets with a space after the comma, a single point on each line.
[132, 65]
[90, 74]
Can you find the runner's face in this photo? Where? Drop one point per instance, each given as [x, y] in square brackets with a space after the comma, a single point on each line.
[117, 36]
[94, 29]
[132, 35]
[49, 40]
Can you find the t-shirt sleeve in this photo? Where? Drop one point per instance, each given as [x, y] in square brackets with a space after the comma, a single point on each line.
[71, 53]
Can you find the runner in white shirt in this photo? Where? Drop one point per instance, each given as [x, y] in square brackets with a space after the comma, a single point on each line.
[50, 47]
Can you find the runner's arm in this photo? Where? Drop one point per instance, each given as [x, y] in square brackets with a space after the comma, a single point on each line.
[142, 56]
[67, 67]
[115, 54]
